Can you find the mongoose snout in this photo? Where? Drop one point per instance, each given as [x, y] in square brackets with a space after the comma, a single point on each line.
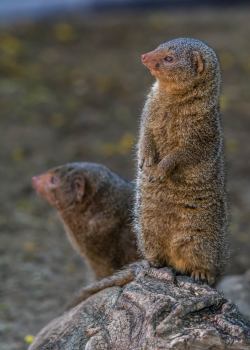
[152, 60]
[44, 185]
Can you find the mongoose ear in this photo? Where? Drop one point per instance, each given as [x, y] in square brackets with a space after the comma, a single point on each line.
[198, 62]
[79, 188]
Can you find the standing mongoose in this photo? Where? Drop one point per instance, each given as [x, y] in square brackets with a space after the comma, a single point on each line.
[95, 206]
[181, 208]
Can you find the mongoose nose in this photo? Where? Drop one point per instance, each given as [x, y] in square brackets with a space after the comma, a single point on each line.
[150, 60]
[43, 183]
[144, 58]
[34, 181]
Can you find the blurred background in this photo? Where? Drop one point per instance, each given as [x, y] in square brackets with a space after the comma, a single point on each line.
[71, 89]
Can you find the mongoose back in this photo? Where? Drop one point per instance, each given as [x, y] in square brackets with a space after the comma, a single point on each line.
[181, 207]
[95, 206]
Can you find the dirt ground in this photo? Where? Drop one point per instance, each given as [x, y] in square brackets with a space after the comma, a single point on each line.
[72, 90]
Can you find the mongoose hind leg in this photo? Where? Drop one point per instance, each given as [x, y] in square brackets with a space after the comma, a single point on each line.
[155, 263]
[154, 259]
[152, 250]
[192, 256]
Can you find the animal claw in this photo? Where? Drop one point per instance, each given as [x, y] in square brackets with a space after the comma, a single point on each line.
[203, 276]
[141, 163]
[149, 161]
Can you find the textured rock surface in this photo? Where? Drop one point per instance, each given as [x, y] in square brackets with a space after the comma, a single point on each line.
[237, 289]
[154, 311]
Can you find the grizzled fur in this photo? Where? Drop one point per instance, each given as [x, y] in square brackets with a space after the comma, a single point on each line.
[95, 207]
[181, 209]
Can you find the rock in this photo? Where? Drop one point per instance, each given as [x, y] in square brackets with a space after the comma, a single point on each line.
[237, 289]
[155, 310]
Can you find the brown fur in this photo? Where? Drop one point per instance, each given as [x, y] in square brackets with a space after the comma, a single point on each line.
[95, 207]
[181, 214]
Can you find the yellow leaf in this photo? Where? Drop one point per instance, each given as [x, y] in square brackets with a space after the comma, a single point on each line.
[64, 32]
[227, 59]
[57, 120]
[18, 154]
[30, 247]
[29, 339]
[232, 145]
[123, 146]
[10, 45]
[224, 102]
[126, 143]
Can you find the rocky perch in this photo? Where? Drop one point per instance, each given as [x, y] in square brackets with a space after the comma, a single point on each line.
[153, 310]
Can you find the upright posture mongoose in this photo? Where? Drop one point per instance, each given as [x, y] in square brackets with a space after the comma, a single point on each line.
[95, 207]
[181, 214]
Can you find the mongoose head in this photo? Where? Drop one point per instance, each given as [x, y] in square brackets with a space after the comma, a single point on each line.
[181, 63]
[71, 186]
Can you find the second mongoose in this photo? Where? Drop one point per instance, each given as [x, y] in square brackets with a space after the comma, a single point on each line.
[181, 207]
[95, 206]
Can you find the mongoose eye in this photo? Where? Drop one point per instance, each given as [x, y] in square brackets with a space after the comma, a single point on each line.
[53, 180]
[77, 183]
[168, 59]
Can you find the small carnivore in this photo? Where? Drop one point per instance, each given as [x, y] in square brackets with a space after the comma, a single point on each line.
[181, 207]
[95, 206]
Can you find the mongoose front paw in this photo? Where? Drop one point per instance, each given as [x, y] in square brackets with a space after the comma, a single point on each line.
[203, 276]
[165, 166]
[158, 174]
[147, 162]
